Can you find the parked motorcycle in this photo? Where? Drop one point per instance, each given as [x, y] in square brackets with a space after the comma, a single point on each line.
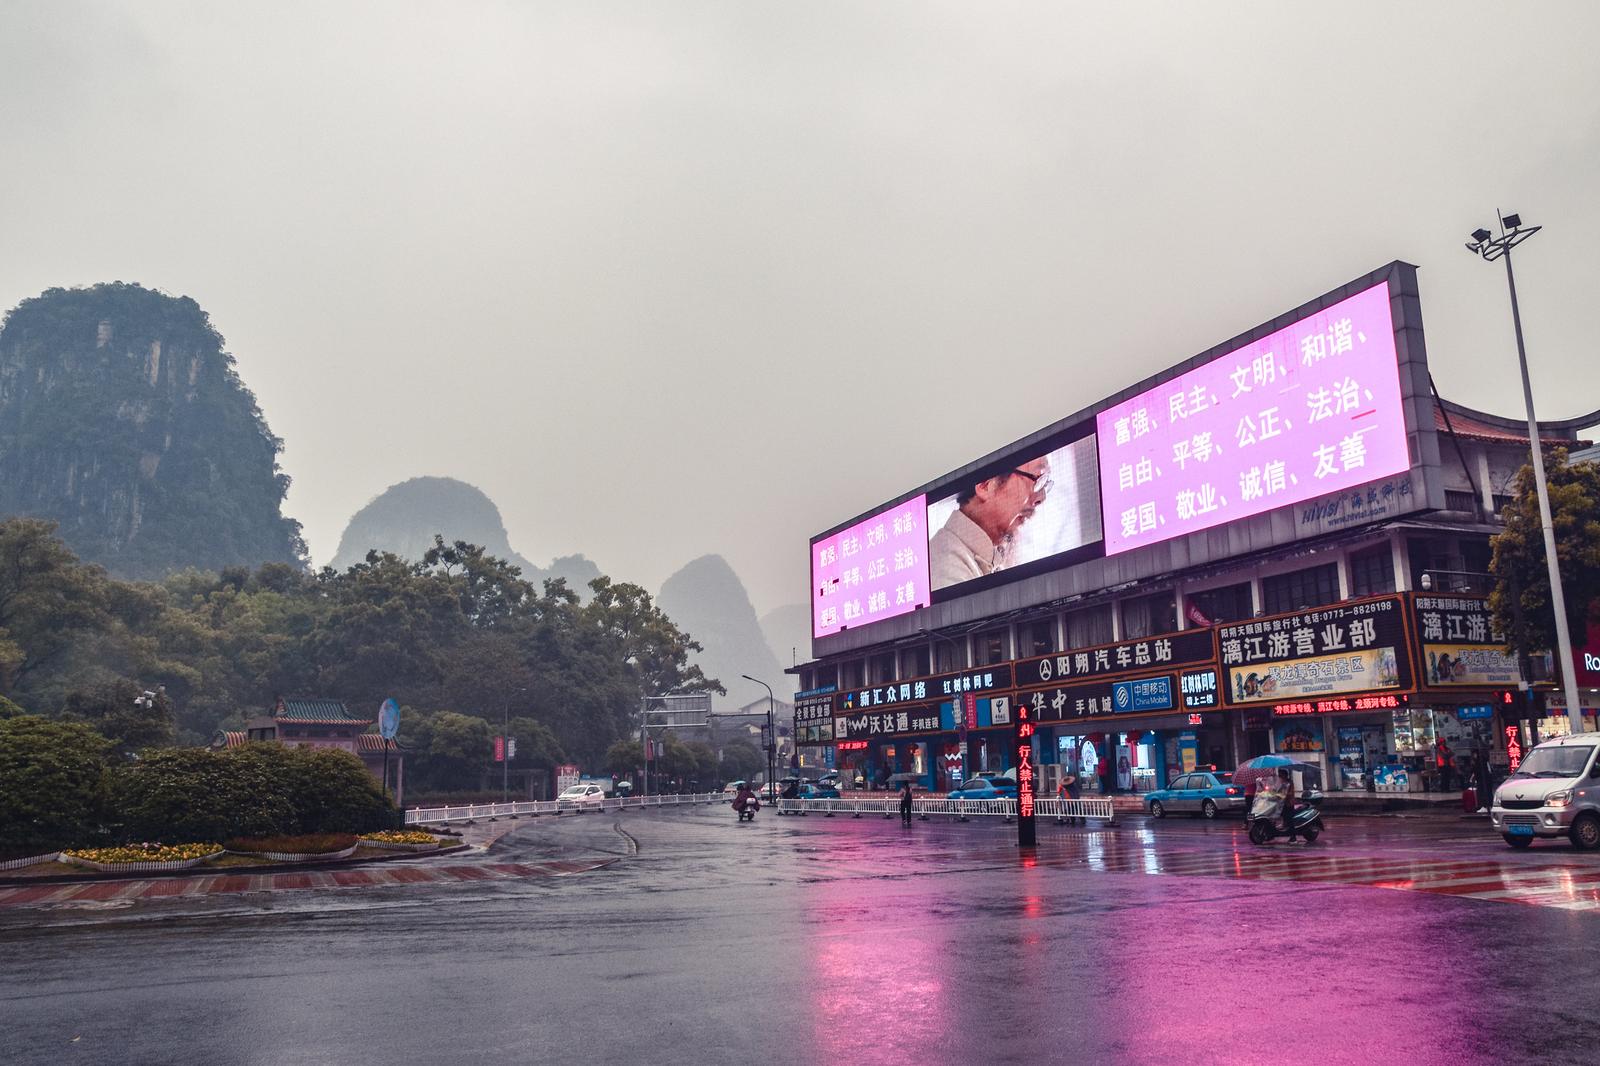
[1307, 821]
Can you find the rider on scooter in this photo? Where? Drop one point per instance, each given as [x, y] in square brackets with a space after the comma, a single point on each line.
[1286, 786]
[743, 797]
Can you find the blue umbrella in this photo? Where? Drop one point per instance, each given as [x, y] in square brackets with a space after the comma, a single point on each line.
[1252, 770]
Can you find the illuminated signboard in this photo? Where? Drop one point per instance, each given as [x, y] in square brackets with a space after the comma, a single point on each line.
[1459, 644]
[876, 569]
[1199, 689]
[1022, 745]
[1028, 510]
[1129, 656]
[1308, 410]
[1310, 655]
[1359, 703]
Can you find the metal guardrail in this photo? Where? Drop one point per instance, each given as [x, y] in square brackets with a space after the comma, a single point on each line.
[474, 811]
[959, 809]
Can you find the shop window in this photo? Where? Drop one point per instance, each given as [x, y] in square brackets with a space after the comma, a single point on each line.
[1372, 571]
[1144, 616]
[1037, 637]
[990, 647]
[1089, 627]
[914, 662]
[1227, 604]
[882, 668]
[850, 674]
[1311, 587]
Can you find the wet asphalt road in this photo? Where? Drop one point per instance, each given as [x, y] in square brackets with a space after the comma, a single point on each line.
[811, 940]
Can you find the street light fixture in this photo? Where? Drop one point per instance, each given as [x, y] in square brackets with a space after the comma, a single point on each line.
[1491, 248]
[772, 735]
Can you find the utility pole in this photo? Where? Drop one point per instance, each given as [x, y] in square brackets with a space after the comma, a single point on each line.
[1484, 243]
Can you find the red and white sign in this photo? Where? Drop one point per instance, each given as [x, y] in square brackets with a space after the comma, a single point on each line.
[499, 749]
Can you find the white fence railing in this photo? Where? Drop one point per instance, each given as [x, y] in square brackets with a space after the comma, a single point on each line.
[960, 809]
[473, 811]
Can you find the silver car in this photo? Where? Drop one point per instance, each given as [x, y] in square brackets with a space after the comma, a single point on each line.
[1554, 792]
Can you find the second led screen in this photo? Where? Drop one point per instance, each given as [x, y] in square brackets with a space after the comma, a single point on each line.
[1039, 507]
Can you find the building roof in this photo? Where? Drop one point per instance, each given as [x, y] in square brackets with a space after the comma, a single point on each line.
[316, 712]
[372, 742]
[229, 738]
[1497, 429]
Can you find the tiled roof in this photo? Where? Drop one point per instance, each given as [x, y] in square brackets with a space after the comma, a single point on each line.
[1497, 429]
[316, 712]
[372, 742]
[229, 738]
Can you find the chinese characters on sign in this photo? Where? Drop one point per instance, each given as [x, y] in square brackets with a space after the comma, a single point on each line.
[1331, 651]
[876, 569]
[1459, 644]
[1311, 409]
[1022, 745]
[1093, 700]
[813, 716]
[1134, 656]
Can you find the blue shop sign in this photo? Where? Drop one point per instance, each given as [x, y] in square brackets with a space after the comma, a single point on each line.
[1482, 710]
[1151, 694]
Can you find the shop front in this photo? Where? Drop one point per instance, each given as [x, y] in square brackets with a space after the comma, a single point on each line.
[941, 729]
[1106, 713]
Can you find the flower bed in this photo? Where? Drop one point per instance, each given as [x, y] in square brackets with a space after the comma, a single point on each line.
[296, 848]
[141, 858]
[30, 860]
[398, 840]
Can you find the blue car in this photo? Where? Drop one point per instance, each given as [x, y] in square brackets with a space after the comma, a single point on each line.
[1206, 793]
[986, 788]
[817, 792]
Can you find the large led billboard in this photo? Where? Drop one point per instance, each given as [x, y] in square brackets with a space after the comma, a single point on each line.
[876, 569]
[1311, 409]
[1030, 510]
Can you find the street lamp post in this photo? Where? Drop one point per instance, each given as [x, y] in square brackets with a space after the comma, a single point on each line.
[772, 734]
[1484, 243]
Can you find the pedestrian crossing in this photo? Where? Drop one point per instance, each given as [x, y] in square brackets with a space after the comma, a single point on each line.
[1567, 882]
[112, 893]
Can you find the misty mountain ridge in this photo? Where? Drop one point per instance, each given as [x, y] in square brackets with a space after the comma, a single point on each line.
[404, 519]
[707, 600]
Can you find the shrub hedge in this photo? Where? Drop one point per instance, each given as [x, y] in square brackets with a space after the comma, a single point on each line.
[52, 785]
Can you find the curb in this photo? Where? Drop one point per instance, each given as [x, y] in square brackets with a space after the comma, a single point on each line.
[265, 868]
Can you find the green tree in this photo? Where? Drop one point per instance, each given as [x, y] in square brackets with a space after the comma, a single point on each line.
[128, 715]
[741, 761]
[185, 795]
[52, 785]
[1519, 566]
[624, 758]
[48, 601]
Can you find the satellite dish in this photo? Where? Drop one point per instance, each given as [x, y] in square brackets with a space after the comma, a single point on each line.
[388, 719]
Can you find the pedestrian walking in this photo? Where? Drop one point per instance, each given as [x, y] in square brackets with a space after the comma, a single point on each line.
[905, 802]
[1485, 786]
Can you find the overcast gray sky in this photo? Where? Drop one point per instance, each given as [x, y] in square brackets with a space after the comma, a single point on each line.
[675, 278]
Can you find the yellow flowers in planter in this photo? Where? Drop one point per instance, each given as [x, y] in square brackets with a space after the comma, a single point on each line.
[143, 853]
[401, 836]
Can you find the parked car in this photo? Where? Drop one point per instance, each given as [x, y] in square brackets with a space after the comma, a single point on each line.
[1554, 792]
[731, 789]
[985, 788]
[1206, 793]
[581, 796]
[809, 791]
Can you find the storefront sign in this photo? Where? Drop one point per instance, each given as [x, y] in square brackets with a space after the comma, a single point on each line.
[1149, 694]
[1022, 748]
[1109, 660]
[1478, 711]
[1199, 689]
[1093, 700]
[1586, 659]
[921, 690]
[923, 719]
[1459, 645]
[851, 745]
[813, 715]
[1343, 703]
[1346, 648]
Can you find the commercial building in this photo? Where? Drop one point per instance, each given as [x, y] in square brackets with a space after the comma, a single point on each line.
[1278, 545]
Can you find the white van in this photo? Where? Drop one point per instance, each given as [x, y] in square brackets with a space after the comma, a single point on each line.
[1554, 792]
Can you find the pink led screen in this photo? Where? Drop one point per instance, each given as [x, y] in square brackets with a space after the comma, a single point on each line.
[1311, 409]
[876, 569]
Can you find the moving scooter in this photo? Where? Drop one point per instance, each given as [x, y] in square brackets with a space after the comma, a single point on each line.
[747, 813]
[1307, 821]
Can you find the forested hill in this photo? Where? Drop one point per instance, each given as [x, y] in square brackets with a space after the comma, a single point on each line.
[123, 419]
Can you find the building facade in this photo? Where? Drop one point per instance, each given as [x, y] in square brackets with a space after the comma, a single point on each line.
[323, 723]
[1280, 545]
